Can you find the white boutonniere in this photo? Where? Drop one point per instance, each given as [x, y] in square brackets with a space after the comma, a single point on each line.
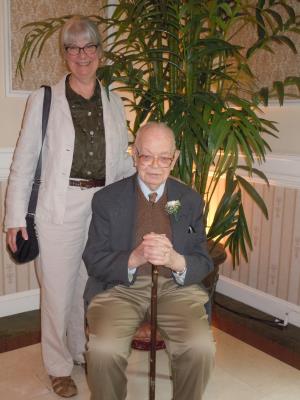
[173, 207]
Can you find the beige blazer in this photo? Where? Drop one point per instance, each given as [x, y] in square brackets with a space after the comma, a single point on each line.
[58, 155]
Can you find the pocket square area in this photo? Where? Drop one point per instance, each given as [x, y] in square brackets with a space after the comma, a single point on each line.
[191, 229]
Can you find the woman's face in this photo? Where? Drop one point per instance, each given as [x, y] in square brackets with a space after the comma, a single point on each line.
[83, 65]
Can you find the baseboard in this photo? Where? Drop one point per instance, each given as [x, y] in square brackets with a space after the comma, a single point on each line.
[20, 302]
[279, 308]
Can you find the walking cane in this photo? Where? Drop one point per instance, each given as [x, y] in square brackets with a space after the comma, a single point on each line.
[153, 332]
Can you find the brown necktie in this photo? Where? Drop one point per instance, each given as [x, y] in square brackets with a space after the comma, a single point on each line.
[152, 197]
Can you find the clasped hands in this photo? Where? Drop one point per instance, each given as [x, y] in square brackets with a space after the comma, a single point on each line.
[157, 250]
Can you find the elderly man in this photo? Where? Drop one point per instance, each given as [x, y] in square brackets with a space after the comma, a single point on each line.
[133, 226]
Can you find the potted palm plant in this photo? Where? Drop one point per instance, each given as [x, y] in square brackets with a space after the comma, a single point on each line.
[181, 62]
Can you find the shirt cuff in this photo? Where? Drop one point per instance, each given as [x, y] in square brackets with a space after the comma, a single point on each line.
[180, 276]
[131, 273]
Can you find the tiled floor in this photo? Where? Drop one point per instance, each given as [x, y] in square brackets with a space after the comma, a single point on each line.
[241, 372]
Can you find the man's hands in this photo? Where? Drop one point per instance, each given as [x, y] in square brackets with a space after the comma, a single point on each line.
[11, 237]
[157, 250]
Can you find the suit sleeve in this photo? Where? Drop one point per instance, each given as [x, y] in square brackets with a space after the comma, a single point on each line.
[198, 261]
[101, 260]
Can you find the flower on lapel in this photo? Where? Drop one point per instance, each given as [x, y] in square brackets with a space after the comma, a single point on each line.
[173, 207]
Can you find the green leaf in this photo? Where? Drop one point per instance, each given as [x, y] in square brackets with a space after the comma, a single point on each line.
[264, 95]
[279, 88]
[254, 171]
[253, 194]
[282, 39]
[261, 31]
[277, 17]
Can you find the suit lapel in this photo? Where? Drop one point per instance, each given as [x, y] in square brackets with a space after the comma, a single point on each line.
[125, 214]
[178, 226]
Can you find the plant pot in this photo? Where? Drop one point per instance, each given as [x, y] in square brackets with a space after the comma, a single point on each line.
[218, 255]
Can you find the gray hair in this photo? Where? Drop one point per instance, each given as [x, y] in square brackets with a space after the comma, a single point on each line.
[83, 27]
[155, 125]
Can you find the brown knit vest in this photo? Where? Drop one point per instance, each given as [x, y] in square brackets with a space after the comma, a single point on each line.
[151, 218]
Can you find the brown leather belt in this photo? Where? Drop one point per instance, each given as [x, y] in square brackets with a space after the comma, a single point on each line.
[87, 183]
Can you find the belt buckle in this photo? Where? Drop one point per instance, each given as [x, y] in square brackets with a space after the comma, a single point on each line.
[86, 185]
[82, 187]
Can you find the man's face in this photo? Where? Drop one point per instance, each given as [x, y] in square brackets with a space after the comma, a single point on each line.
[155, 156]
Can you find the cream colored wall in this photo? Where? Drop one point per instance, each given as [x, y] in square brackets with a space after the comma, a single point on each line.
[288, 123]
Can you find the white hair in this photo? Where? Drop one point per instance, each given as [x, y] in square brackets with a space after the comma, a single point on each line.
[83, 27]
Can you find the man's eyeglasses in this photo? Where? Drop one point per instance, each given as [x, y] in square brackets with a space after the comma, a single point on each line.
[89, 50]
[162, 161]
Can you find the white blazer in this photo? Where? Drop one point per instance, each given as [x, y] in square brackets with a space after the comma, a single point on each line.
[57, 155]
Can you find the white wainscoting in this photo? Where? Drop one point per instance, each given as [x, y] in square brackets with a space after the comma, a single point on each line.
[270, 281]
[19, 290]
[284, 310]
[19, 302]
[282, 170]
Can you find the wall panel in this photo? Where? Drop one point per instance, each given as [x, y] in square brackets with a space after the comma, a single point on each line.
[274, 263]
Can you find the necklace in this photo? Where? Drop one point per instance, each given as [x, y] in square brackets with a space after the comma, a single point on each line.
[82, 108]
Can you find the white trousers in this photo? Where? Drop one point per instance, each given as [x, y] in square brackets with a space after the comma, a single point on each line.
[62, 277]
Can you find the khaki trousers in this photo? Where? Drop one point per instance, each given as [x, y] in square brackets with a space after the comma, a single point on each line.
[115, 315]
[62, 276]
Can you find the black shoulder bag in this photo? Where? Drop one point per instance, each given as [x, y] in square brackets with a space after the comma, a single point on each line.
[28, 250]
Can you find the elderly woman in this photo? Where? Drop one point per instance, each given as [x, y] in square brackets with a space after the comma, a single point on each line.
[85, 148]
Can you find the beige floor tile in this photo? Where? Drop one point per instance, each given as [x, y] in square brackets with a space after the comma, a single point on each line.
[241, 372]
[288, 393]
[20, 374]
[138, 377]
[224, 386]
[253, 367]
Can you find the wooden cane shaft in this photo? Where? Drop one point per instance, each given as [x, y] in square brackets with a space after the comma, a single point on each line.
[153, 332]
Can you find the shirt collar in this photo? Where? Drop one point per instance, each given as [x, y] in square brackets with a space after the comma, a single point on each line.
[146, 191]
[74, 97]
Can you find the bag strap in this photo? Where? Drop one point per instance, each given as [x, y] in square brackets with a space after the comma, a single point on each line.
[37, 177]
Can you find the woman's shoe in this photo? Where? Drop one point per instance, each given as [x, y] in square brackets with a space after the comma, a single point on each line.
[63, 386]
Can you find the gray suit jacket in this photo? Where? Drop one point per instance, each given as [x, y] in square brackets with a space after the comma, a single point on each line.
[111, 235]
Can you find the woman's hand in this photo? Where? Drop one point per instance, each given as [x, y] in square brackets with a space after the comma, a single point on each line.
[11, 237]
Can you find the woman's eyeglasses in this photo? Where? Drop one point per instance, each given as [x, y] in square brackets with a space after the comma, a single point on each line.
[89, 50]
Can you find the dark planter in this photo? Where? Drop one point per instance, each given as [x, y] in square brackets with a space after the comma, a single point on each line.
[218, 255]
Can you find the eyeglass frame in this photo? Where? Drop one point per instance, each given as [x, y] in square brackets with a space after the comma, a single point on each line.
[154, 158]
[79, 49]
